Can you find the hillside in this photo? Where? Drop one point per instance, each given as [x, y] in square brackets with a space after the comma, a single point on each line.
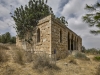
[67, 66]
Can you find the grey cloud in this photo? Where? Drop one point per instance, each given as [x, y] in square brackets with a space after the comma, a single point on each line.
[1, 18]
[4, 12]
[92, 41]
[73, 11]
[7, 6]
[76, 7]
[62, 3]
[55, 6]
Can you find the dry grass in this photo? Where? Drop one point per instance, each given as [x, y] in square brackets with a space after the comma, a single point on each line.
[71, 59]
[81, 56]
[3, 47]
[98, 70]
[19, 57]
[28, 56]
[9, 70]
[41, 65]
[3, 56]
[97, 58]
[42, 62]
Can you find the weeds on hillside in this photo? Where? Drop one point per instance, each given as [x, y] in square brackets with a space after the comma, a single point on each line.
[98, 70]
[42, 62]
[92, 51]
[28, 56]
[71, 59]
[3, 47]
[3, 56]
[9, 70]
[19, 57]
[97, 58]
[80, 55]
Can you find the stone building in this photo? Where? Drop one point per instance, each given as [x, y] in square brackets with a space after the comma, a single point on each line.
[53, 37]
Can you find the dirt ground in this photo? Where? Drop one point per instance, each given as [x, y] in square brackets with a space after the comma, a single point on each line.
[81, 67]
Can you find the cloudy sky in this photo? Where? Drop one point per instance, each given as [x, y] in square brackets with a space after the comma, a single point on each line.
[73, 10]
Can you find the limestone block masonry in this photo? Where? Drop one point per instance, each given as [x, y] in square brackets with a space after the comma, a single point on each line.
[53, 37]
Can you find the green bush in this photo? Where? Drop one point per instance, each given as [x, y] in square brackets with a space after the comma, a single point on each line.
[7, 38]
[92, 51]
[80, 55]
[97, 58]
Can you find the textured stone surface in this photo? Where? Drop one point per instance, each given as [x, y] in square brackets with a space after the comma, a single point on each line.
[50, 38]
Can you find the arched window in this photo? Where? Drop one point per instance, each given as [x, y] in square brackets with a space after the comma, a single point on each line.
[60, 36]
[77, 43]
[72, 42]
[68, 41]
[38, 35]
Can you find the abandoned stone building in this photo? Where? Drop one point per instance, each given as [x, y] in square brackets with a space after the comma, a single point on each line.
[53, 37]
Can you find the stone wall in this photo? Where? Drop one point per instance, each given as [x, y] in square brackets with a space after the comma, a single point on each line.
[55, 38]
[58, 39]
[45, 35]
[18, 42]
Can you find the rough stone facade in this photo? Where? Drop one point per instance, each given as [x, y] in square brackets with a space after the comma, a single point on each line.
[53, 37]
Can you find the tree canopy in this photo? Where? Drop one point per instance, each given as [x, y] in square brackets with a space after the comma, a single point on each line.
[7, 38]
[26, 17]
[93, 17]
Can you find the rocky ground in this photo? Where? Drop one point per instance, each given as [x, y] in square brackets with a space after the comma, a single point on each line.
[68, 66]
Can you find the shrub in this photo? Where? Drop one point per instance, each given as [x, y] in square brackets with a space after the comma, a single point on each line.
[42, 62]
[3, 47]
[80, 55]
[9, 70]
[28, 56]
[98, 70]
[97, 58]
[71, 59]
[19, 57]
[3, 56]
[92, 51]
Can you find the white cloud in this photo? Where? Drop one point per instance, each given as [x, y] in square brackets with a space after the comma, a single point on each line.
[4, 12]
[76, 7]
[73, 10]
[2, 25]
[54, 4]
[7, 6]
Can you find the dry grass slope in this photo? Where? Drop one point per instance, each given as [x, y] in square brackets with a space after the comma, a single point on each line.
[42, 62]
[41, 65]
[3, 54]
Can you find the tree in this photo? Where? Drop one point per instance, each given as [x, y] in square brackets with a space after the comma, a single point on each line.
[3, 38]
[26, 18]
[13, 39]
[93, 17]
[7, 37]
[0, 38]
[83, 49]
